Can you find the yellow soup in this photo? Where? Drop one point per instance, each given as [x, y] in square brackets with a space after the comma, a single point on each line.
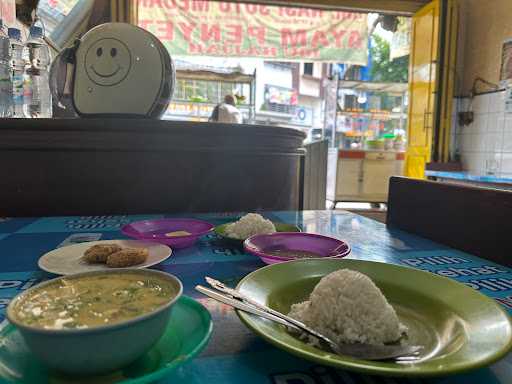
[177, 233]
[93, 301]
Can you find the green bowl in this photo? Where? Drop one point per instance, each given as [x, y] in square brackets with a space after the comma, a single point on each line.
[220, 230]
[460, 328]
[97, 349]
[185, 336]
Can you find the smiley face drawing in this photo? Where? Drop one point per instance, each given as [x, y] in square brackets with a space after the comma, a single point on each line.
[107, 62]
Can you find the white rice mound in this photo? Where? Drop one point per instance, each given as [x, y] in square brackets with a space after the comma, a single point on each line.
[347, 307]
[250, 225]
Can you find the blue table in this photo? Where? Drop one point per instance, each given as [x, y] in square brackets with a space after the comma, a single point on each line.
[234, 355]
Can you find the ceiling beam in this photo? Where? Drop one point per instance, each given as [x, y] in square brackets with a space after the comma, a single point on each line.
[402, 7]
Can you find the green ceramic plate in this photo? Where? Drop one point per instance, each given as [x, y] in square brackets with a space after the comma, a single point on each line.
[280, 227]
[460, 328]
[187, 334]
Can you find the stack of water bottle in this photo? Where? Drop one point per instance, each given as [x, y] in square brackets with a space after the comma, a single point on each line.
[24, 74]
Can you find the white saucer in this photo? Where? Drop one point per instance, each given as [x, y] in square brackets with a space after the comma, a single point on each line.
[68, 260]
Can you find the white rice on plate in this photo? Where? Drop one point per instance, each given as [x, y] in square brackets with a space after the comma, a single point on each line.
[347, 307]
[249, 225]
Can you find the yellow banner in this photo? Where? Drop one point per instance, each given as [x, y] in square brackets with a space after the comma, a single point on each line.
[212, 28]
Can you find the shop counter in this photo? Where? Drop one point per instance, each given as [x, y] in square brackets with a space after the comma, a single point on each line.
[361, 175]
[489, 181]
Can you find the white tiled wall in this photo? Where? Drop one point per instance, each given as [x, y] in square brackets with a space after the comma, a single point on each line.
[485, 146]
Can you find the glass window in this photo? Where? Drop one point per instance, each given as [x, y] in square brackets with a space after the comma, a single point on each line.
[242, 92]
[179, 91]
[188, 89]
[213, 92]
[308, 69]
[226, 89]
[200, 93]
[209, 91]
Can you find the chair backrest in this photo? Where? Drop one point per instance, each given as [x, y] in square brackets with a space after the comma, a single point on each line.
[473, 219]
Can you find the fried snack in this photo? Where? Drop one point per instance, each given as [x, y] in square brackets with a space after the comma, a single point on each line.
[98, 253]
[127, 257]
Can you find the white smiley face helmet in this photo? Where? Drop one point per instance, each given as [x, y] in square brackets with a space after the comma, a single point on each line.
[118, 70]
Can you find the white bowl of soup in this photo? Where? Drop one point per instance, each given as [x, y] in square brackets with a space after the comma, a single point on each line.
[95, 322]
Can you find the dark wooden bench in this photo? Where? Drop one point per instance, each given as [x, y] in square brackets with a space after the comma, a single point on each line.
[473, 219]
[128, 166]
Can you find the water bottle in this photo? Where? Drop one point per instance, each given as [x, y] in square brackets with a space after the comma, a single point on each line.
[38, 99]
[5, 75]
[17, 70]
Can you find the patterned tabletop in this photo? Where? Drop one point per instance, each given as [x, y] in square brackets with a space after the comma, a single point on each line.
[234, 354]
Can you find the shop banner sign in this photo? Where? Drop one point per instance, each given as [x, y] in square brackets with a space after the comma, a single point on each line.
[8, 12]
[303, 116]
[229, 29]
[279, 95]
[58, 8]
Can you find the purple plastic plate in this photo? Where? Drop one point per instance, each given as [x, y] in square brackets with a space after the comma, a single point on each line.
[156, 230]
[285, 246]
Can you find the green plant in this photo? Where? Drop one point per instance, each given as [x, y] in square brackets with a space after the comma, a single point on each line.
[382, 68]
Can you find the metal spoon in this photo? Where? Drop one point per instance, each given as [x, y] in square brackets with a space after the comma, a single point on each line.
[361, 351]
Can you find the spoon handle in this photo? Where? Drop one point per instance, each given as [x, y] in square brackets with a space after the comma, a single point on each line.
[233, 292]
[235, 303]
[254, 305]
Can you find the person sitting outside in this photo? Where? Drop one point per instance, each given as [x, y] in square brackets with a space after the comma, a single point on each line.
[227, 112]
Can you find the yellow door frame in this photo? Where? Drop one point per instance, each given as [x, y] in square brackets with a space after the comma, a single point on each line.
[422, 88]
[447, 73]
[124, 11]
[431, 85]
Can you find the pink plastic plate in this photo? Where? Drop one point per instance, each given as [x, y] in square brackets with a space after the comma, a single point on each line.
[285, 246]
[157, 230]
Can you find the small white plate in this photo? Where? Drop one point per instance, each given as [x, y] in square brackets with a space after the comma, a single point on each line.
[68, 260]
